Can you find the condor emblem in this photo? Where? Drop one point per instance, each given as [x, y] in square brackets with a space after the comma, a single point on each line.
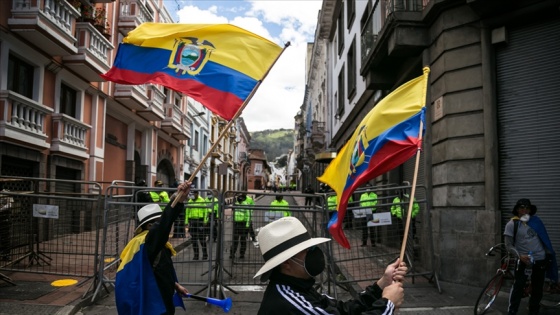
[190, 56]
[359, 154]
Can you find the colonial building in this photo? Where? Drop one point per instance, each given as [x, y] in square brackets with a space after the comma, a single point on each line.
[259, 170]
[59, 119]
[491, 111]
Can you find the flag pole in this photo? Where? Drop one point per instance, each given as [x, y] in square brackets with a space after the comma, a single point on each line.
[426, 71]
[411, 197]
[230, 123]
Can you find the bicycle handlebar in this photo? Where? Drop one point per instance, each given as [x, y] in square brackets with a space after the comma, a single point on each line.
[503, 248]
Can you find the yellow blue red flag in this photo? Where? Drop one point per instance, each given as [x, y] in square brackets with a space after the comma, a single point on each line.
[218, 65]
[136, 289]
[388, 136]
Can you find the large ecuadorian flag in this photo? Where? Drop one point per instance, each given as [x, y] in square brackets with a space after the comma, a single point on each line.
[387, 137]
[216, 64]
[136, 290]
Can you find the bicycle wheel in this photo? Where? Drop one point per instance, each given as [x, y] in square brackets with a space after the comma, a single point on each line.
[488, 294]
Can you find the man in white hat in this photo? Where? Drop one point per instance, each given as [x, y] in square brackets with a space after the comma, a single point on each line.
[146, 263]
[292, 260]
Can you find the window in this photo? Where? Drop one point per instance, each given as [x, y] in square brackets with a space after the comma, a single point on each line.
[167, 93]
[351, 58]
[340, 32]
[350, 12]
[204, 144]
[258, 169]
[67, 100]
[20, 76]
[177, 100]
[195, 140]
[340, 109]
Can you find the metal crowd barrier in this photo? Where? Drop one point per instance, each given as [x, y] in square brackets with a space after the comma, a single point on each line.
[49, 229]
[49, 226]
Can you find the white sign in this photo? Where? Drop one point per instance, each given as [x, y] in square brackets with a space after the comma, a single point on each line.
[383, 218]
[45, 211]
[270, 216]
[438, 108]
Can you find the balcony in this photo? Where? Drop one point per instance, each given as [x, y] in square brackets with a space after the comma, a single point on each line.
[174, 122]
[134, 97]
[216, 153]
[185, 134]
[23, 120]
[133, 13]
[46, 23]
[229, 159]
[318, 135]
[154, 112]
[392, 35]
[69, 136]
[92, 57]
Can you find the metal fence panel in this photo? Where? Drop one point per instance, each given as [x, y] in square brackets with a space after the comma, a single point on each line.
[49, 228]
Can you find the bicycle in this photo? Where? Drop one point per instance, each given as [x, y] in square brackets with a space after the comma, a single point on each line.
[508, 264]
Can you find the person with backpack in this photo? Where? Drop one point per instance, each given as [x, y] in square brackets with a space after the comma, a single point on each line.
[526, 234]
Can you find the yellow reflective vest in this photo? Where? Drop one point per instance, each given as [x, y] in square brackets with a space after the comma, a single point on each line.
[281, 204]
[244, 215]
[196, 209]
[397, 209]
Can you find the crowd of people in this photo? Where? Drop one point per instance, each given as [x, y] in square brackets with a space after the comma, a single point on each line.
[292, 257]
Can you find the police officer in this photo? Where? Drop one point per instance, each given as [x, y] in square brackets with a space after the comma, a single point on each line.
[142, 196]
[400, 206]
[213, 208]
[159, 196]
[278, 208]
[368, 202]
[196, 217]
[242, 225]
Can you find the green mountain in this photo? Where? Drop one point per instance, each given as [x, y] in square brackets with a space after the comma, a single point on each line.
[273, 142]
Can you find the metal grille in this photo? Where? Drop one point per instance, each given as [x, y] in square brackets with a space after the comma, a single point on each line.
[224, 268]
[51, 231]
[528, 90]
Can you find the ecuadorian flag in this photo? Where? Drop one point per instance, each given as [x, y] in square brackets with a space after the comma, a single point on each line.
[136, 290]
[218, 65]
[388, 136]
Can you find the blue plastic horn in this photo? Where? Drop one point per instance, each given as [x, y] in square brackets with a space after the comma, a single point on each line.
[225, 304]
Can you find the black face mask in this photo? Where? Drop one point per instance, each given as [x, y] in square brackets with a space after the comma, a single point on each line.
[314, 262]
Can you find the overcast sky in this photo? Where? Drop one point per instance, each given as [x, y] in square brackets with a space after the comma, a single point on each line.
[280, 96]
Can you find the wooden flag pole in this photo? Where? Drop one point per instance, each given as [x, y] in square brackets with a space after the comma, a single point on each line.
[411, 197]
[230, 123]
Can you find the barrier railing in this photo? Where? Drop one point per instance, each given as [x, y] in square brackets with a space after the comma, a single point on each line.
[49, 226]
[70, 228]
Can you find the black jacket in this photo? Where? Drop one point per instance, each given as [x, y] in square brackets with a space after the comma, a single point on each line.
[286, 295]
[162, 264]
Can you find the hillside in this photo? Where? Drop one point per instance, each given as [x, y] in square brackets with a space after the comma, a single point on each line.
[273, 142]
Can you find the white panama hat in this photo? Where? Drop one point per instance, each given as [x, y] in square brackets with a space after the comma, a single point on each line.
[146, 214]
[281, 240]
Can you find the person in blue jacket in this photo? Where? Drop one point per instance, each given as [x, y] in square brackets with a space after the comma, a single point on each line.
[526, 233]
[146, 282]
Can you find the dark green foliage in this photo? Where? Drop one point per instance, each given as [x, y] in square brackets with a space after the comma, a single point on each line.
[273, 142]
